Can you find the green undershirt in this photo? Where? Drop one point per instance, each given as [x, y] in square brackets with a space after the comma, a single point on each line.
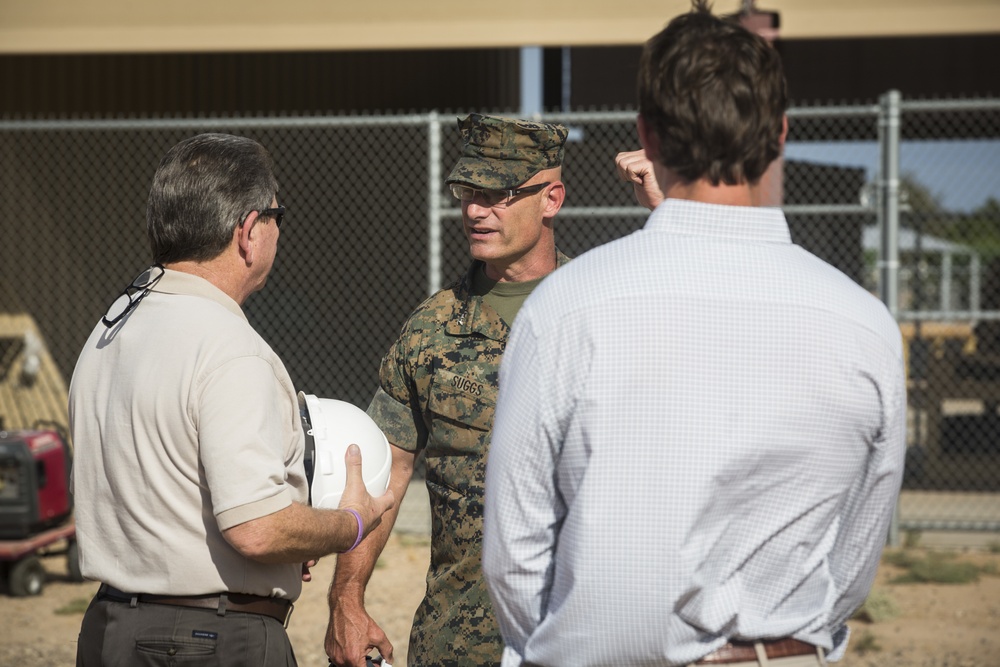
[505, 298]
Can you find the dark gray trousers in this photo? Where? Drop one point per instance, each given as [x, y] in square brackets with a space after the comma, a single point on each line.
[117, 634]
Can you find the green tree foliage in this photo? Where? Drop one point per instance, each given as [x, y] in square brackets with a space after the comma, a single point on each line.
[981, 229]
[978, 230]
[917, 197]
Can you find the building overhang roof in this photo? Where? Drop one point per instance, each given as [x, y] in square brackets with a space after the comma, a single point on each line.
[130, 26]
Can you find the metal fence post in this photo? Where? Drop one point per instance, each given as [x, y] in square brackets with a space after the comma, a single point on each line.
[888, 133]
[532, 81]
[888, 220]
[434, 244]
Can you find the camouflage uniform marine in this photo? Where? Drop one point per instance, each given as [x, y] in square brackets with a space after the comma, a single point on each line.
[438, 389]
[445, 366]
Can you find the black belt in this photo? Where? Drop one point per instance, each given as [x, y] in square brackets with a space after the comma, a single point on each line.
[743, 651]
[277, 608]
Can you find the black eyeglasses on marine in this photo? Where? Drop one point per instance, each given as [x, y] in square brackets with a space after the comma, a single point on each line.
[130, 297]
[278, 213]
[493, 198]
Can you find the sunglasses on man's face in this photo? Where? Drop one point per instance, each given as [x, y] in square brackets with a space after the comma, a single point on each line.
[492, 198]
[278, 213]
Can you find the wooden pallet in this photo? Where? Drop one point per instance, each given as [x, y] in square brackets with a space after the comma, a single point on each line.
[32, 390]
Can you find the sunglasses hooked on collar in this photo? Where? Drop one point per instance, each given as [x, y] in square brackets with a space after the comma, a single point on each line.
[130, 297]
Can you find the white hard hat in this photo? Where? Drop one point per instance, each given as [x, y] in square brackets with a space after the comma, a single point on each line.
[331, 426]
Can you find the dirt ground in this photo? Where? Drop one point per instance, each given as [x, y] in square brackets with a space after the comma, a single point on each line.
[939, 626]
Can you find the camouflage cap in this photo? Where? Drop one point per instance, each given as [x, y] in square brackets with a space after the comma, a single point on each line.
[500, 153]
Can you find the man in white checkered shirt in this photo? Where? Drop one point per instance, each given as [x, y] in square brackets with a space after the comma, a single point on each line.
[699, 435]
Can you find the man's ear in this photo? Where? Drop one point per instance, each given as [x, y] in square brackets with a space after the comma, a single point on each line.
[648, 139]
[245, 236]
[784, 132]
[554, 199]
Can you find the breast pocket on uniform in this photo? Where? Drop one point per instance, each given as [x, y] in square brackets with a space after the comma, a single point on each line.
[461, 411]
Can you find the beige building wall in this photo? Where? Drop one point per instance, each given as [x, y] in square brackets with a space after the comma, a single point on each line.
[136, 26]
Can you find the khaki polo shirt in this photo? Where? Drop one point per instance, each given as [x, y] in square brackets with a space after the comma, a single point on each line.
[185, 423]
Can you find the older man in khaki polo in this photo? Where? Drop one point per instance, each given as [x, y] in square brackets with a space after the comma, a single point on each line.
[191, 495]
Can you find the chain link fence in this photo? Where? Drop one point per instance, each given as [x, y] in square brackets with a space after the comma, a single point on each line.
[903, 196]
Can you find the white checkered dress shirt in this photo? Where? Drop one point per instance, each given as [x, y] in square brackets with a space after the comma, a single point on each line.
[699, 436]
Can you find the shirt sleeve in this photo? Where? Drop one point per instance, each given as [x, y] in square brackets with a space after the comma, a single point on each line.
[523, 507]
[870, 509]
[397, 407]
[400, 424]
[244, 426]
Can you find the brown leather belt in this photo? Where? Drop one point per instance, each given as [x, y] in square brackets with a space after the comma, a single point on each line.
[741, 651]
[277, 608]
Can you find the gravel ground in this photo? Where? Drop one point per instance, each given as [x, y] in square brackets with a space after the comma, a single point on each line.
[938, 626]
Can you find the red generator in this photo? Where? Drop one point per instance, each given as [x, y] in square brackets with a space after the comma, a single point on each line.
[35, 507]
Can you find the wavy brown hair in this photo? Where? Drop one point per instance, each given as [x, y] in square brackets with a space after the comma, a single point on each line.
[715, 94]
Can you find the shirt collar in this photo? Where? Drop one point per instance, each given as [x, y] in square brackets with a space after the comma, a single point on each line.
[178, 282]
[756, 224]
[472, 314]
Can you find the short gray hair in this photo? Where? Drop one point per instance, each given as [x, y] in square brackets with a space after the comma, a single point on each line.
[204, 187]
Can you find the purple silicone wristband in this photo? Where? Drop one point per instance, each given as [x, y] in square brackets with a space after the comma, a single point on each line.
[361, 530]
